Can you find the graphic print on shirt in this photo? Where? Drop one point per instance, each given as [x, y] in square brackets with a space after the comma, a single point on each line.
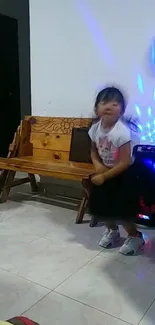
[107, 151]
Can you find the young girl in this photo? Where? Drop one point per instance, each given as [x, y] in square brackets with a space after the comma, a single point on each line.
[114, 195]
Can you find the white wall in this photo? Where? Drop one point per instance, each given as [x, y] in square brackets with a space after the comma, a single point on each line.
[79, 45]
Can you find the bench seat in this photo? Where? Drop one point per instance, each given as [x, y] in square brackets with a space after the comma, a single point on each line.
[44, 167]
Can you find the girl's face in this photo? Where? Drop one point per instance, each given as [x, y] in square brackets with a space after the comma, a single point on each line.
[110, 111]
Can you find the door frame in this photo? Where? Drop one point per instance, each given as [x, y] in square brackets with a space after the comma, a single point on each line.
[20, 10]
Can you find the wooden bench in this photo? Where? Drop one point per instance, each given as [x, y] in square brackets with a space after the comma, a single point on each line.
[41, 145]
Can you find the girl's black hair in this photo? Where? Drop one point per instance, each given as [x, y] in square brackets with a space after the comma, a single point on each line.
[114, 94]
[110, 94]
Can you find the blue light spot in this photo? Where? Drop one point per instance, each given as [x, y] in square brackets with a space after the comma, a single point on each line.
[146, 217]
[140, 127]
[148, 162]
[140, 84]
[138, 110]
[147, 125]
[153, 52]
[95, 31]
[149, 111]
[142, 216]
[145, 236]
[140, 275]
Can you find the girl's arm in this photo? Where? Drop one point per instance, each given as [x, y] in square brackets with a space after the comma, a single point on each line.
[99, 166]
[123, 163]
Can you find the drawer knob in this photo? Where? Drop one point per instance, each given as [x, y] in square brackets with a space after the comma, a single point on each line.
[56, 156]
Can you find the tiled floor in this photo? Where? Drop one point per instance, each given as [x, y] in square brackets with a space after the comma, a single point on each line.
[53, 271]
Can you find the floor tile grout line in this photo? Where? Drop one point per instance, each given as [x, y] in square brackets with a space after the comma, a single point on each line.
[94, 308]
[21, 277]
[52, 290]
[76, 271]
[146, 311]
[66, 279]
[36, 283]
[36, 303]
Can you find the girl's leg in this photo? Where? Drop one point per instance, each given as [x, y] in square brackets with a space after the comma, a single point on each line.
[130, 228]
[110, 236]
[111, 225]
[134, 241]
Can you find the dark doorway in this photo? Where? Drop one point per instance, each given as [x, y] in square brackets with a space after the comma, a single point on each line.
[10, 111]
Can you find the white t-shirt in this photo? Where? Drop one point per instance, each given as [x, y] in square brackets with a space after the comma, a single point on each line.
[108, 142]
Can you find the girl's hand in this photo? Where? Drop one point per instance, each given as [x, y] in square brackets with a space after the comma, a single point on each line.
[98, 179]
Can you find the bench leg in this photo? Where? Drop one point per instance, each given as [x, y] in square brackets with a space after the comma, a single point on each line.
[2, 179]
[7, 186]
[33, 183]
[84, 202]
[82, 210]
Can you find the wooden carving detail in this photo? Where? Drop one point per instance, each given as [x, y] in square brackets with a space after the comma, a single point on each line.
[62, 125]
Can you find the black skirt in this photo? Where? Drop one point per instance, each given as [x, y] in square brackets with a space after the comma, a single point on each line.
[125, 196]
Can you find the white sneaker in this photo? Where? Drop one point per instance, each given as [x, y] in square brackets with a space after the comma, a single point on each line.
[109, 238]
[132, 245]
